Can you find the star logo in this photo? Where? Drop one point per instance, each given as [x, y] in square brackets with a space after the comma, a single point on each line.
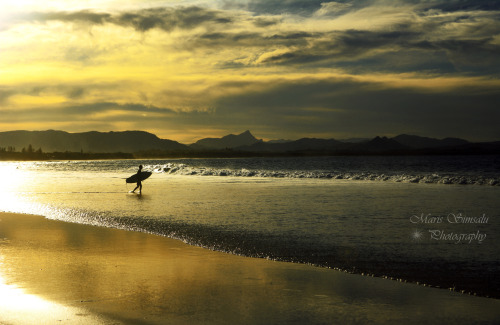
[416, 235]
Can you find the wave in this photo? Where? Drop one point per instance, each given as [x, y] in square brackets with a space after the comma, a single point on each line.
[275, 247]
[186, 170]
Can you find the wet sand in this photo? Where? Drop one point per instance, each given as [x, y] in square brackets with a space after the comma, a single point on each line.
[52, 271]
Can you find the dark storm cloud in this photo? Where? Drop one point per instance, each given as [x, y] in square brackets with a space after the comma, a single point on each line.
[68, 91]
[293, 38]
[87, 112]
[425, 39]
[309, 7]
[169, 18]
[276, 7]
[265, 22]
[84, 16]
[164, 18]
[342, 106]
[305, 107]
[344, 44]
[398, 62]
[478, 54]
[76, 93]
[285, 6]
[100, 107]
[73, 94]
[306, 46]
[250, 39]
[403, 50]
[461, 5]
[5, 94]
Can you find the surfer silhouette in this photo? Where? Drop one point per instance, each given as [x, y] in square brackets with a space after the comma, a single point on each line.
[139, 182]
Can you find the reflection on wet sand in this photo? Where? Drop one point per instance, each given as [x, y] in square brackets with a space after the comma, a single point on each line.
[19, 307]
[135, 277]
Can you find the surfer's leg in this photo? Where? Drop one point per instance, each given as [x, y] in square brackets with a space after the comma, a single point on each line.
[139, 186]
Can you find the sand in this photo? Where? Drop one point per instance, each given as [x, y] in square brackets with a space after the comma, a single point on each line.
[56, 272]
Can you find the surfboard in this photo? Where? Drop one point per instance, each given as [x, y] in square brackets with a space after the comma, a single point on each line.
[135, 179]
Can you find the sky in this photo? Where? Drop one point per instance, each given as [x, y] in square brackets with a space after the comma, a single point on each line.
[283, 69]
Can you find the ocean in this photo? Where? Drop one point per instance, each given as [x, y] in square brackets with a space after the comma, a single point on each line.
[431, 220]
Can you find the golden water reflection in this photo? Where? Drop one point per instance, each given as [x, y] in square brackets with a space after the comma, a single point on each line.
[19, 307]
[129, 277]
[12, 178]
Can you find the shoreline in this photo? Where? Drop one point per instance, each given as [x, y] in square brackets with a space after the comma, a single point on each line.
[89, 274]
[78, 156]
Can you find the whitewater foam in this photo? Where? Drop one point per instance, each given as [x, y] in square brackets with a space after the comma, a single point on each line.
[186, 170]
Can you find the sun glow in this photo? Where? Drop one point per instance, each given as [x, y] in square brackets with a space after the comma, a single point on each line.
[19, 307]
[15, 5]
[20, 3]
[16, 300]
[12, 177]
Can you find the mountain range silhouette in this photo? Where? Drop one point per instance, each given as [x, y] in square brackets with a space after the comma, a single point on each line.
[140, 141]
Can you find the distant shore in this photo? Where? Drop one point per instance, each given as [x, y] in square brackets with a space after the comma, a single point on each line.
[61, 145]
[18, 156]
[55, 271]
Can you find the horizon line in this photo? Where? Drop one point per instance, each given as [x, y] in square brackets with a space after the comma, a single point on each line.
[261, 139]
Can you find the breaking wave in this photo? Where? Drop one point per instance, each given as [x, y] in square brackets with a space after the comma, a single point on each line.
[186, 170]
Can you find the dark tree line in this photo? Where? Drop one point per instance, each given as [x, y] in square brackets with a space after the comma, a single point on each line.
[29, 150]
[29, 153]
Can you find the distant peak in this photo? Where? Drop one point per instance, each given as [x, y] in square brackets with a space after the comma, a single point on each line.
[246, 134]
[229, 141]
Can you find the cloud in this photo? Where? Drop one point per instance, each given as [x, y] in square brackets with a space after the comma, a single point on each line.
[346, 106]
[305, 106]
[249, 40]
[5, 94]
[275, 7]
[358, 50]
[467, 44]
[333, 8]
[467, 5]
[300, 68]
[169, 18]
[33, 98]
[87, 113]
[164, 18]
[408, 36]
[265, 21]
[342, 45]
[84, 16]
[454, 36]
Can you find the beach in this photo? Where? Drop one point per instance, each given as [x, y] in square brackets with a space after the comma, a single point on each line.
[59, 272]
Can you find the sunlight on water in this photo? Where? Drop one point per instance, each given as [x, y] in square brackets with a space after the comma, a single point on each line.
[13, 202]
[14, 299]
[348, 224]
[19, 307]
[12, 178]
[14, 181]
[20, 302]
